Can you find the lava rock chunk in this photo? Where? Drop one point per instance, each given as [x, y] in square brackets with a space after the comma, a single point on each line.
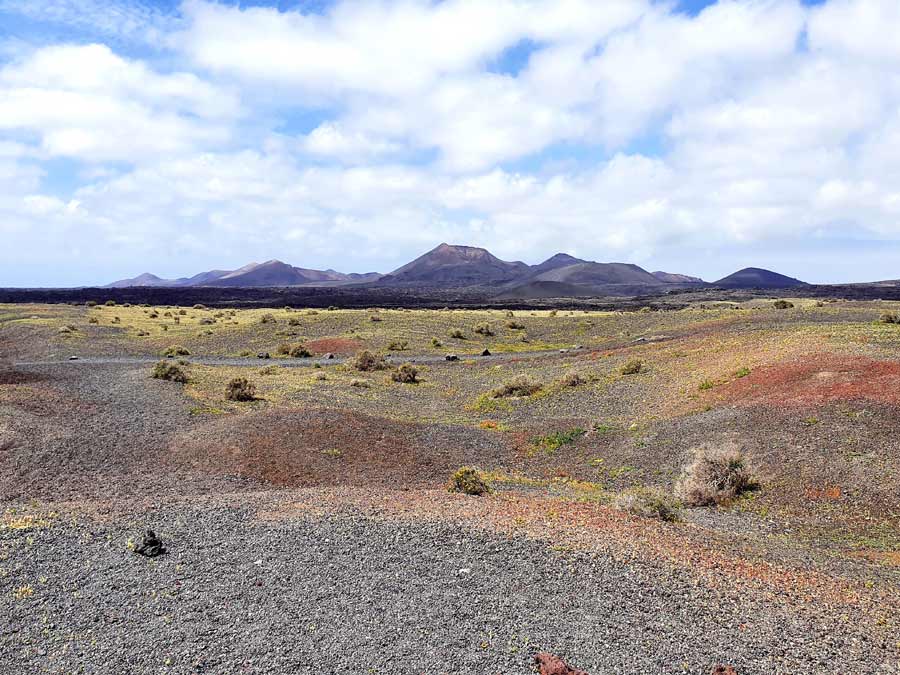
[151, 546]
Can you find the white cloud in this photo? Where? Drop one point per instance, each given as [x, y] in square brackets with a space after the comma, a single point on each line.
[88, 103]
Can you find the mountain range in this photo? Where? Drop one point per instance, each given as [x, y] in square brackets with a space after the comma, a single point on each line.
[449, 266]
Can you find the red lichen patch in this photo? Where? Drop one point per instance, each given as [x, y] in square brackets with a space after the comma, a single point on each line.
[829, 493]
[309, 447]
[334, 346]
[548, 664]
[815, 380]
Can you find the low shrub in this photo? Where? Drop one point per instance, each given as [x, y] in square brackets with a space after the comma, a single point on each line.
[197, 306]
[515, 325]
[110, 303]
[93, 319]
[268, 318]
[169, 371]
[468, 481]
[297, 350]
[782, 304]
[293, 321]
[550, 443]
[572, 379]
[715, 476]
[484, 329]
[240, 389]
[406, 374]
[436, 343]
[633, 367]
[375, 318]
[366, 361]
[176, 350]
[889, 317]
[360, 384]
[398, 345]
[207, 321]
[270, 370]
[457, 334]
[520, 385]
[648, 503]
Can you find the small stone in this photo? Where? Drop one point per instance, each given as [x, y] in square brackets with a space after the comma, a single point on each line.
[263, 355]
[548, 664]
[486, 352]
[451, 357]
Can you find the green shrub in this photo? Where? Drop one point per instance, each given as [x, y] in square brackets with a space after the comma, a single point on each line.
[468, 481]
[436, 343]
[169, 371]
[553, 442]
[406, 374]
[110, 303]
[633, 367]
[398, 345]
[176, 350]
[457, 334]
[240, 389]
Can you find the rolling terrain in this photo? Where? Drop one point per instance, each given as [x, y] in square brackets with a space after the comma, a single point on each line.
[320, 505]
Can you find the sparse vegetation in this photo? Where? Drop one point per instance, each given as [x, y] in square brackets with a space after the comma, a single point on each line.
[240, 389]
[550, 443]
[468, 481]
[648, 503]
[572, 379]
[367, 361]
[165, 370]
[407, 373]
[715, 476]
[633, 367]
[520, 385]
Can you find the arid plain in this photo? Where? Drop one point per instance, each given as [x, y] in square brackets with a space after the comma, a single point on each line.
[309, 527]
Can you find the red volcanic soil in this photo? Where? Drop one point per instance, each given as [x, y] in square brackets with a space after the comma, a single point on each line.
[305, 447]
[817, 379]
[334, 346]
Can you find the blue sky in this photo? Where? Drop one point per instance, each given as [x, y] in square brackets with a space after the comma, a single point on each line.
[697, 137]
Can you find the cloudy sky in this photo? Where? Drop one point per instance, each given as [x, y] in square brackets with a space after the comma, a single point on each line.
[693, 136]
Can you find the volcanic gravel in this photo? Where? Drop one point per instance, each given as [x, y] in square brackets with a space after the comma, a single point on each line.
[350, 594]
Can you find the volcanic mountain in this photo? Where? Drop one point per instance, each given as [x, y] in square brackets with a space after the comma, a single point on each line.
[754, 277]
[449, 265]
[270, 273]
[672, 278]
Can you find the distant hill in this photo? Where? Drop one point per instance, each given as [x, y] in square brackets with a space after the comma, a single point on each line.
[255, 275]
[670, 278]
[600, 274]
[448, 265]
[754, 277]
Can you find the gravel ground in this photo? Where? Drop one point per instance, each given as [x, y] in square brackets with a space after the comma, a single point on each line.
[349, 594]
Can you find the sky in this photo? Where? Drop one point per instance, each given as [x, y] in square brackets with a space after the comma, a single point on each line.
[697, 137]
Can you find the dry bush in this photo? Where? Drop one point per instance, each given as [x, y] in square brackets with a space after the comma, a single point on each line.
[572, 379]
[648, 503]
[468, 481]
[889, 317]
[297, 350]
[176, 350]
[398, 345]
[268, 318]
[240, 389]
[199, 306]
[515, 325]
[457, 334]
[715, 476]
[633, 367]
[294, 321]
[406, 373]
[206, 321]
[484, 329]
[93, 319]
[366, 361]
[520, 385]
[360, 384]
[782, 304]
[168, 371]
